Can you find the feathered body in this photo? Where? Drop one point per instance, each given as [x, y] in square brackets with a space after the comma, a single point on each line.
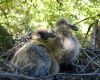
[42, 56]
[35, 59]
[70, 44]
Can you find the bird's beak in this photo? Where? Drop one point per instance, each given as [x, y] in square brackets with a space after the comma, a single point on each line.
[73, 27]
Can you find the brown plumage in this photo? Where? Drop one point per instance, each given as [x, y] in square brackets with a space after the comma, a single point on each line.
[70, 45]
[35, 59]
[42, 56]
[64, 46]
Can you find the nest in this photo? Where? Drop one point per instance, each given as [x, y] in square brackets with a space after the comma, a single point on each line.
[86, 67]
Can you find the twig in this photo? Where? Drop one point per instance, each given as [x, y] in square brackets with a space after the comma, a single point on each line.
[86, 74]
[87, 19]
[94, 62]
[83, 20]
[91, 61]
[90, 51]
[87, 34]
[10, 75]
[10, 66]
[97, 70]
[59, 2]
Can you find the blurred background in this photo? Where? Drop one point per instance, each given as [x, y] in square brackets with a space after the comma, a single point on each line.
[20, 16]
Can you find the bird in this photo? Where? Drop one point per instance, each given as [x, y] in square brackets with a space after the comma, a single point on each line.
[69, 43]
[35, 59]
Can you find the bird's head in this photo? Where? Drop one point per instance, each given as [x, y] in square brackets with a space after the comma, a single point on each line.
[45, 35]
[62, 24]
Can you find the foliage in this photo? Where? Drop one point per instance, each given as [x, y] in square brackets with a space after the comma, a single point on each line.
[6, 41]
[18, 16]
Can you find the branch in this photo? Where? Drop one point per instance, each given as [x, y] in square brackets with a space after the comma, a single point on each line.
[10, 75]
[87, 34]
[59, 2]
[91, 62]
[82, 20]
